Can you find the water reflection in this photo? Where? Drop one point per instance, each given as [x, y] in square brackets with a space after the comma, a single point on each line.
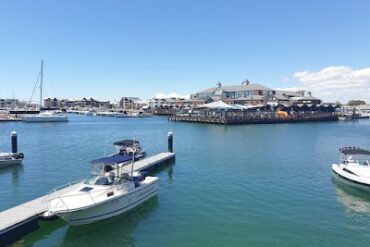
[116, 231]
[15, 171]
[354, 200]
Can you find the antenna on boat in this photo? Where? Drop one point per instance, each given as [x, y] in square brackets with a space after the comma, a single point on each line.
[133, 157]
[106, 143]
[41, 79]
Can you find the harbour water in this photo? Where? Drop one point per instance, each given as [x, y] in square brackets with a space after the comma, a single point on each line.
[252, 185]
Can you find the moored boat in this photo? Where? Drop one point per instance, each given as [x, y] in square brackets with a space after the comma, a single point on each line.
[126, 150]
[354, 167]
[136, 114]
[108, 193]
[8, 159]
[44, 116]
[47, 116]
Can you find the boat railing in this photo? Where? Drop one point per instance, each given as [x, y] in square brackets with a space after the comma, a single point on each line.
[54, 194]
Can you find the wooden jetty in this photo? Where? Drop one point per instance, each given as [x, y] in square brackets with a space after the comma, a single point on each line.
[23, 219]
[245, 118]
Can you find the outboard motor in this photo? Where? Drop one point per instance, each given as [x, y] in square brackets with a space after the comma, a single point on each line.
[136, 178]
[18, 156]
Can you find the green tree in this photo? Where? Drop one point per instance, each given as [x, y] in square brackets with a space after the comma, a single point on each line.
[356, 102]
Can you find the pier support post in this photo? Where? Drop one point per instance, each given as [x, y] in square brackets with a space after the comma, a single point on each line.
[170, 142]
[14, 142]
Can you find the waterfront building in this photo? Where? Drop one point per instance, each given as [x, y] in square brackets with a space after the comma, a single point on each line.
[254, 94]
[51, 103]
[246, 93]
[174, 102]
[8, 103]
[131, 103]
[306, 99]
[71, 103]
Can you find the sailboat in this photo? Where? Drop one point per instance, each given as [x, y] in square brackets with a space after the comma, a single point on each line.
[44, 116]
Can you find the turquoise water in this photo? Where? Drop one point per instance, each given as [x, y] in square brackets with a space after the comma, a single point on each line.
[254, 185]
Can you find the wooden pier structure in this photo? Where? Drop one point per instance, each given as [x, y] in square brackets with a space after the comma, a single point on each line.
[230, 118]
[23, 219]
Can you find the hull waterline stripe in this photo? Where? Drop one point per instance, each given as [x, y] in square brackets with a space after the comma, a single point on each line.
[97, 216]
[349, 171]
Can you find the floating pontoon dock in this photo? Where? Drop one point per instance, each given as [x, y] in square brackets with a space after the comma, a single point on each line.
[23, 219]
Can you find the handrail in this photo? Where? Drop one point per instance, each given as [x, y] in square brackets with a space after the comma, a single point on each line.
[89, 193]
[66, 185]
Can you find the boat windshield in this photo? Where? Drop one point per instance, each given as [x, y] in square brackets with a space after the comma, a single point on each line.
[356, 161]
[97, 180]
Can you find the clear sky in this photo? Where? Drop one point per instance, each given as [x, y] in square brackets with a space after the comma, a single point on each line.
[109, 49]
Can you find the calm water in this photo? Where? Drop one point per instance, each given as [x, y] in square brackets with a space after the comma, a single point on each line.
[257, 185]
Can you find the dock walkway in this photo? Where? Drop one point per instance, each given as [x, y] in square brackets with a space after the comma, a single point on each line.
[22, 219]
[247, 118]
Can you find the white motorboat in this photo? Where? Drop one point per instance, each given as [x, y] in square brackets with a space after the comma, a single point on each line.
[126, 151]
[47, 116]
[127, 114]
[354, 167]
[8, 159]
[129, 147]
[106, 194]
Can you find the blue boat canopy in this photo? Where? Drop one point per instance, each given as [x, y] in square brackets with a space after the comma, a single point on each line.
[126, 143]
[112, 159]
[354, 151]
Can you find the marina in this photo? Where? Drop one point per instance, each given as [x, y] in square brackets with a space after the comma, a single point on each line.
[184, 123]
[243, 196]
[22, 219]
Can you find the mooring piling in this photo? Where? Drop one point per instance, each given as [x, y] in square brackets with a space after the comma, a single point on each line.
[170, 142]
[14, 142]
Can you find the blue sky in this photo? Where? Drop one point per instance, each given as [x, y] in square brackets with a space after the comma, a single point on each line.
[109, 49]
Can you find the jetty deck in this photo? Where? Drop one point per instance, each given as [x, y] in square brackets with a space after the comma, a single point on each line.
[22, 219]
[150, 162]
[237, 119]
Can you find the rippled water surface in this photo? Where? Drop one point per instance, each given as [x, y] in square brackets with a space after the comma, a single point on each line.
[254, 185]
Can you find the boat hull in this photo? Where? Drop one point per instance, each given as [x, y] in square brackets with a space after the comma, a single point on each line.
[45, 119]
[12, 162]
[349, 179]
[112, 207]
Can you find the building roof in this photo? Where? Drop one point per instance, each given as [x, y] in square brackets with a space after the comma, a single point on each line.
[251, 97]
[290, 93]
[218, 105]
[281, 97]
[305, 98]
[254, 86]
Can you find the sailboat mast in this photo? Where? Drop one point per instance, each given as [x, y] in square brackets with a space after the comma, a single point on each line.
[41, 79]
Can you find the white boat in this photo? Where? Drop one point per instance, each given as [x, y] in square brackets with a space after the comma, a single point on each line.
[354, 167]
[138, 114]
[47, 116]
[8, 159]
[126, 150]
[106, 194]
